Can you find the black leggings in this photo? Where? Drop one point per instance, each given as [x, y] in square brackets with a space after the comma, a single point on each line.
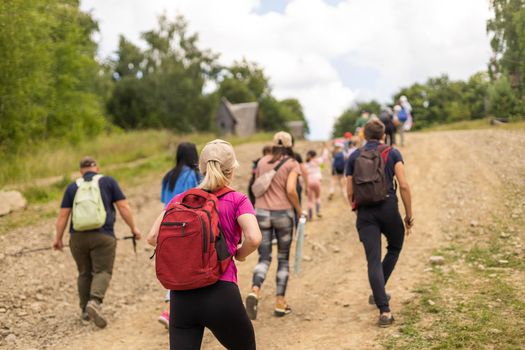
[218, 307]
[371, 222]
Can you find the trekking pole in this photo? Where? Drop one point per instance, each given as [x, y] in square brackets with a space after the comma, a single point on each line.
[299, 244]
[134, 241]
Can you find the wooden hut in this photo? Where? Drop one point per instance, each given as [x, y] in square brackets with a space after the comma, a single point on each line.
[296, 128]
[237, 119]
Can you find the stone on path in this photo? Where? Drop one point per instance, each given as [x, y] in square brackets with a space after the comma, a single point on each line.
[11, 201]
[437, 260]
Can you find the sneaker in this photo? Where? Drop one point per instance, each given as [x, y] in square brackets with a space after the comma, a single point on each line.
[94, 310]
[164, 319]
[274, 241]
[371, 300]
[282, 310]
[385, 321]
[251, 306]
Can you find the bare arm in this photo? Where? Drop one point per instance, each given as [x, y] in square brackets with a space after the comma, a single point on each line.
[125, 212]
[404, 190]
[252, 236]
[349, 189]
[291, 190]
[304, 172]
[154, 231]
[60, 226]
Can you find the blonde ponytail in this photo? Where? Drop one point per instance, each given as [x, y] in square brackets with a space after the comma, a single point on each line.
[215, 178]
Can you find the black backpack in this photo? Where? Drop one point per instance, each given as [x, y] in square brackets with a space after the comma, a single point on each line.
[368, 180]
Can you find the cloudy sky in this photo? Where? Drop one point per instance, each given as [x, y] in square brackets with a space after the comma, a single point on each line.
[326, 53]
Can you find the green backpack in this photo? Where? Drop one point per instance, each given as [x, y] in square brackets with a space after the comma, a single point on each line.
[88, 208]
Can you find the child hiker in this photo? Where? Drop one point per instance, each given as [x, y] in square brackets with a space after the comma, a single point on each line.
[313, 166]
[217, 306]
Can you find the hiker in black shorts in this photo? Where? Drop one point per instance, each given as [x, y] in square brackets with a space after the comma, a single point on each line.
[383, 215]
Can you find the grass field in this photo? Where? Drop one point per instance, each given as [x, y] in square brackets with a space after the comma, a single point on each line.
[478, 124]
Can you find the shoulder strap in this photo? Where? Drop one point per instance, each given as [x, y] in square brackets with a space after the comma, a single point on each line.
[97, 178]
[223, 191]
[281, 163]
[384, 151]
[79, 181]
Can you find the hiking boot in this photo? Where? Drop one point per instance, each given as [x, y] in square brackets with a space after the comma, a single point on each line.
[251, 306]
[94, 310]
[164, 319]
[371, 300]
[282, 310]
[385, 321]
[84, 316]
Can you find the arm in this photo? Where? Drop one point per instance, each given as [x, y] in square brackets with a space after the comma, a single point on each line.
[291, 190]
[252, 236]
[154, 231]
[304, 172]
[125, 212]
[60, 227]
[349, 189]
[404, 190]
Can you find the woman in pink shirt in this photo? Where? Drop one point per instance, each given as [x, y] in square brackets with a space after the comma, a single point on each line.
[219, 306]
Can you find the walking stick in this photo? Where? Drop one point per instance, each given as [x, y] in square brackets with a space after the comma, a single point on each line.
[299, 244]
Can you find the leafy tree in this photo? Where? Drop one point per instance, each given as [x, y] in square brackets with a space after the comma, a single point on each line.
[346, 121]
[508, 42]
[503, 102]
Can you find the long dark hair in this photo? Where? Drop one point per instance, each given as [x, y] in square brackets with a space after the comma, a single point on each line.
[279, 151]
[186, 155]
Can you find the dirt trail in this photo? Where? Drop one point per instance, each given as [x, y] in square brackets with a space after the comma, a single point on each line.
[38, 302]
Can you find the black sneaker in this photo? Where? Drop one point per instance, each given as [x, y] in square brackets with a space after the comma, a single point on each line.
[94, 310]
[251, 306]
[84, 316]
[281, 311]
[371, 300]
[385, 321]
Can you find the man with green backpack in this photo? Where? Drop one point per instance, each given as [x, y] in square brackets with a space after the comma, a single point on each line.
[90, 202]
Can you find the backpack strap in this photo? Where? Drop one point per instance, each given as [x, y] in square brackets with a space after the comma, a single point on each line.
[223, 191]
[384, 151]
[281, 163]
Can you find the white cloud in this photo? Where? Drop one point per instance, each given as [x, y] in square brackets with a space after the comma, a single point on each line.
[400, 41]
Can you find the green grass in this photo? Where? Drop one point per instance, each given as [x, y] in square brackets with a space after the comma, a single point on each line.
[55, 159]
[473, 301]
[514, 124]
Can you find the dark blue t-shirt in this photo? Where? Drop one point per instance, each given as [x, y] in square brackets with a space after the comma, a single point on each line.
[110, 192]
[393, 157]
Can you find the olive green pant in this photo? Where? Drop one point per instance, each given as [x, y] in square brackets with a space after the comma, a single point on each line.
[94, 253]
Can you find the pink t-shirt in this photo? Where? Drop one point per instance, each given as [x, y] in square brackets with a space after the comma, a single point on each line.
[231, 206]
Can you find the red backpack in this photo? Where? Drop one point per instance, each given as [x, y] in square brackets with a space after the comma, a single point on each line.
[191, 248]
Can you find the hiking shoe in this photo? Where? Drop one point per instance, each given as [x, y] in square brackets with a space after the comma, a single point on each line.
[281, 311]
[94, 310]
[371, 300]
[385, 321]
[164, 319]
[251, 306]
[274, 241]
[84, 316]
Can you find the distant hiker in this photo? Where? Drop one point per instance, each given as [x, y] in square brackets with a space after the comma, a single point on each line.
[360, 123]
[348, 141]
[90, 201]
[275, 206]
[387, 118]
[313, 165]
[182, 256]
[371, 189]
[407, 107]
[182, 177]
[266, 151]
[338, 170]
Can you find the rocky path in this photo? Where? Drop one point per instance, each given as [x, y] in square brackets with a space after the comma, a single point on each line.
[38, 303]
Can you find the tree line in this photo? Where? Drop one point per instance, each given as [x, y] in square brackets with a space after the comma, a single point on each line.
[53, 86]
[498, 92]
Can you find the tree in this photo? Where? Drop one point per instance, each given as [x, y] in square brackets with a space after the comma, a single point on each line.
[503, 103]
[162, 86]
[508, 42]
